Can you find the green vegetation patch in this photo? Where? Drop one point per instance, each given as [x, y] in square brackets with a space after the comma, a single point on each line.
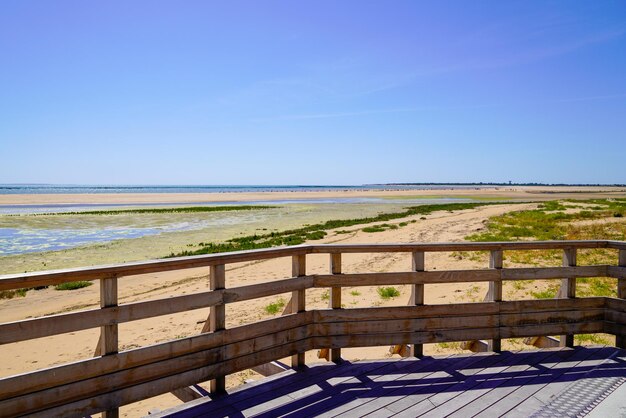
[10, 294]
[316, 231]
[191, 209]
[548, 293]
[72, 285]
[370, 229]
[275, 307]
[388, 292]
[581, 339]
[550, 221]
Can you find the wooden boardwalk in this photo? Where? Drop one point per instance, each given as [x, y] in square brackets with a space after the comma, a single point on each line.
[493, 384]
[543, 383]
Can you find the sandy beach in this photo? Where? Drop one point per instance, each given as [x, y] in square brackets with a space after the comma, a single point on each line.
[503, 192]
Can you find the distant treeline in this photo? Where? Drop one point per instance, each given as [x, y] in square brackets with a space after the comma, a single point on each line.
[507, 184]
[161, 210]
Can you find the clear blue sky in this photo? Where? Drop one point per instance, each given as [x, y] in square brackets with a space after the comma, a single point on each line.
[262, 92]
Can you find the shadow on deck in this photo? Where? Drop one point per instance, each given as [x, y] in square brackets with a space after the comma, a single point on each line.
[550, 382]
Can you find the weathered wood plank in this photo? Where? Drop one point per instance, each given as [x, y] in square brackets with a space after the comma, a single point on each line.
[258, 393]
[542, 341]
[458, 276]
[615, 304]
[620, 339]
[221, 360]
[417, 297]
[58, 375]
[404, 312]
[617, 272]
[126, 395]
[530, 386]
[459, 310]
[405, 325]
[350, 340]
[298, 301]
[217, 319]
[108, 341]
[494, 294]
[190, 393]
[477, 393]
[425, 401]
[300, 395]
[271, 368]
[568, 290]
[618, 245]
[47, 278]
[351, 393]
[81, 320]
[385, 390]
[561, 316]
[545, 273]
[406, 277]
[274, 287]
[456, 334]
[335, 298]
[456, 246]
[551, 304]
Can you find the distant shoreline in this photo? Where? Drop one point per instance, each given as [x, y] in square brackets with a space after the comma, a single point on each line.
[267, 196]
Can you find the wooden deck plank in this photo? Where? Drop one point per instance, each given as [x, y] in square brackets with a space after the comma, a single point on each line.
[389, 391]
[500, 392]
[411, 393]
[525, 389]
[461, 385]
[359, 381]
[321, 391]
[570, 373]
[583, 369]
[249, 397]
[448, 397]
[313, 402]
[349, 398]
[463, 402]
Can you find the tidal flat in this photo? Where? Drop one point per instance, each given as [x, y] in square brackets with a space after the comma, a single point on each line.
[165, 233]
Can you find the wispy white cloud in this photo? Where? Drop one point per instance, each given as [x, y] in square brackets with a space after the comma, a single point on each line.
[591, 98]
[512, 56]
[424, 109]
[366, 112]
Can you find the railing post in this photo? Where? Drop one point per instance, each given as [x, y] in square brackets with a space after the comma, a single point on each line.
[298, 300]
[217, 318]
[568, 290]
[109, 333]
[495, 292]
[335, 299]
[417, 296]
[620, 340]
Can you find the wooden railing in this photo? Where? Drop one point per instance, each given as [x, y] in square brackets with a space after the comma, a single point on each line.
[112, 378]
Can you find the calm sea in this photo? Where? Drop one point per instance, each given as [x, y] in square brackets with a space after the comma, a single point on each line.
[63, 189]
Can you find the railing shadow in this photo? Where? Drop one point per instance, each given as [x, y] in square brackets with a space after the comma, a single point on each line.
[326, 387]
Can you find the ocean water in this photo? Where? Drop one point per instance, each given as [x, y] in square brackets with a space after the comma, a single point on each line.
[75, 189]
[29, 240]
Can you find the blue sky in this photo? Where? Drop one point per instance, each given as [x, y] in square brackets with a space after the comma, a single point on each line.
[263, 92]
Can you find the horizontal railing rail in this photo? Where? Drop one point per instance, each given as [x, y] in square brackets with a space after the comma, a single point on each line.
[52, 277]
[112, 378]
